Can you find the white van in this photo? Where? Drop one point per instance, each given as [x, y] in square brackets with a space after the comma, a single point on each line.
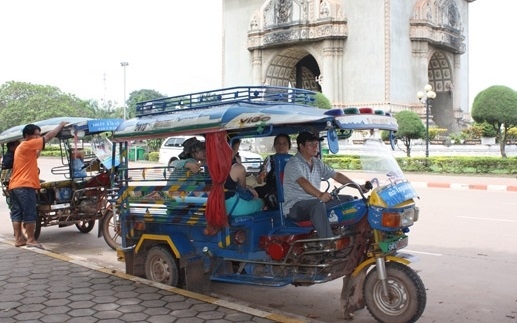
[173, 146]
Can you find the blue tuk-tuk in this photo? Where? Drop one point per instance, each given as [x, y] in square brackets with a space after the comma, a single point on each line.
[80, 198]
[176, 229]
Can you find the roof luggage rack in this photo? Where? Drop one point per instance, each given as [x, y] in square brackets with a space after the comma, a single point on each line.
[249, 94]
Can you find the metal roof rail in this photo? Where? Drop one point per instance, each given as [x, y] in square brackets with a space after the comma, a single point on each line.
[261, 95]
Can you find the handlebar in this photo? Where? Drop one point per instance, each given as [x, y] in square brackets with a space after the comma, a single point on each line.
[368, 185]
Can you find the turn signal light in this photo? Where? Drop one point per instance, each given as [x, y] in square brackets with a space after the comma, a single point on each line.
[391, 220]
[342, 243]
[239, 237]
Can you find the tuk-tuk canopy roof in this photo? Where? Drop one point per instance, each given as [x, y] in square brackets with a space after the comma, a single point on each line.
[76, 125]
[248, 111]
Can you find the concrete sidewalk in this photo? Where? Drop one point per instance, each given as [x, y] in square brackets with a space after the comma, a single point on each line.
[41, 286]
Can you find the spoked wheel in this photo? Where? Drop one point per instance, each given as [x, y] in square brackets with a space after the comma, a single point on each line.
[85, 226]
[111, 229]
[406, 294]
[37, 229]
[161, 266]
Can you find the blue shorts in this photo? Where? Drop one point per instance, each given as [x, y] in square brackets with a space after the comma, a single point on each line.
[24, 205]
[237, 206]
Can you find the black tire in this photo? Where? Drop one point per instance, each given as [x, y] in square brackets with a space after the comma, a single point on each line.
[111, 230]
[85, 226]
[37, 229]
[161, 266]
[407, 295]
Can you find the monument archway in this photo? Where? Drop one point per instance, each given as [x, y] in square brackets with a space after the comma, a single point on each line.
[440, 73]
[293, 68]
[377, 54]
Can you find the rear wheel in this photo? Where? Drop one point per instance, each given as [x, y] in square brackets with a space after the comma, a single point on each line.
[37, 229]
[406, 294]
[85, 226]
[111, 230]
[161, 266]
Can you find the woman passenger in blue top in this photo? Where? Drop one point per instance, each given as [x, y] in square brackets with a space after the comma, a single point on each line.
[240, 199]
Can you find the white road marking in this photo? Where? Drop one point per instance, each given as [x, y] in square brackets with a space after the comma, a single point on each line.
[423, 253]
[489, 219]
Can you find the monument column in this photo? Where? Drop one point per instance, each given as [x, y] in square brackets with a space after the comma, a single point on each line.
[256, 63]
[332, 82]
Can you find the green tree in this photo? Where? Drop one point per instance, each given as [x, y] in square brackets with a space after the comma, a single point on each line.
[497, 106]
[140, 96]
[322, 102]
[106, 111]
[22, 103]
[410, 127]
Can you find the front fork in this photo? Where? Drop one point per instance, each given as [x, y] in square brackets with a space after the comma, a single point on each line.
[380, 263]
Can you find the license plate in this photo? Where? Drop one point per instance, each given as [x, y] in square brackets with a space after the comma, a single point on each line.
[390, 246]
[402, 243]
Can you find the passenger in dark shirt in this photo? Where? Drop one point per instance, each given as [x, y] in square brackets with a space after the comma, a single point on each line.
[8, 159]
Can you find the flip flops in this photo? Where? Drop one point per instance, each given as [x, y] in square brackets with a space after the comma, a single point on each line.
[20, 245]
[35, 245]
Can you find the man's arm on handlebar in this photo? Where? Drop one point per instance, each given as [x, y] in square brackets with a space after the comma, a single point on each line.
[310, 189]
[343, 179]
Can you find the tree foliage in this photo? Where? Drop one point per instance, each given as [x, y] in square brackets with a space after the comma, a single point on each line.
[140, 96]
[322, 102]
[410, 127]
[497, 106]
[22, 103]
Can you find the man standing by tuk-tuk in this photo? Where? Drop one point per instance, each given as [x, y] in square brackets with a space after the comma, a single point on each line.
[25, 181]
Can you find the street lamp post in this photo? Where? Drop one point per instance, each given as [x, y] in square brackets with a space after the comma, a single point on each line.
[426, 97]
[124, 64]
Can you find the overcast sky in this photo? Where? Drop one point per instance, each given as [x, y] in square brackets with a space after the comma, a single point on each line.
[174, 46]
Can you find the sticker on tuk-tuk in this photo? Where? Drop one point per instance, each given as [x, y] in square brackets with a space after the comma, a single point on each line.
[397, 193]
[99, 125]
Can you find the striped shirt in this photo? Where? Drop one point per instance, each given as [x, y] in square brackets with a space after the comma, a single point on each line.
[296, 168]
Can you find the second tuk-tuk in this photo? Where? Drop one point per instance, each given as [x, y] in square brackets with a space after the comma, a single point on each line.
[85, 162]
[177, 230]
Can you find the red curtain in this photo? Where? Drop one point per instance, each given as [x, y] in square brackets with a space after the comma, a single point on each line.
[219, 161]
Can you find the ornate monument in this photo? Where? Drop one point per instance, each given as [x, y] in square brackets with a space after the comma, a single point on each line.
[376, 53]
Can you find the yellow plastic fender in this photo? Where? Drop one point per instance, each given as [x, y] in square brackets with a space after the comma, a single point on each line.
[157, 237]
[370, 261]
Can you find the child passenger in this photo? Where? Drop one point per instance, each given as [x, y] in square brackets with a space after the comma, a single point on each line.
[78, 169]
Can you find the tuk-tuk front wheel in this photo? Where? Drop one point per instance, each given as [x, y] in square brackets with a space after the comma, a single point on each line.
[406, 297]
[161, 266]
[85, 226]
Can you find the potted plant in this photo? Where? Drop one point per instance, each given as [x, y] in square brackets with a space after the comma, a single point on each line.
[488, 134]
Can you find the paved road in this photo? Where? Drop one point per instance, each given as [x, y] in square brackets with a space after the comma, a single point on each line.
[465, 241]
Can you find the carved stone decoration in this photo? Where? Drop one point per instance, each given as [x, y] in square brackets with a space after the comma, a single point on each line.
[283, 10]
[324, 9]
[281, 22]
[438, 22]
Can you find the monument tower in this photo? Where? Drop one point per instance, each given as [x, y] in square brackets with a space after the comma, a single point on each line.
[375, 53]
